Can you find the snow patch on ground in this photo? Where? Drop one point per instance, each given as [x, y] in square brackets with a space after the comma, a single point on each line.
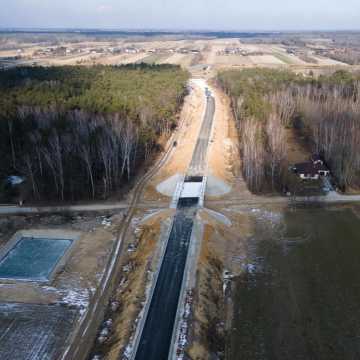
[106, 221]
[272, 217]
[77, 298]
[128, 351]
[184, 327]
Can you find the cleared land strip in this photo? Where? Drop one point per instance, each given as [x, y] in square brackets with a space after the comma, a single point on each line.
[157, 333]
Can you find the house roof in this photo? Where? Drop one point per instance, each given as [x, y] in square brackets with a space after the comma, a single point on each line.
[309, 168]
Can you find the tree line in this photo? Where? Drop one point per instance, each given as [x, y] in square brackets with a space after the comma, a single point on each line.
[78, 133]
[325, 110]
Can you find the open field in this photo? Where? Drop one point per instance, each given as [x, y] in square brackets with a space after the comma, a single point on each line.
[297, 295]
[39, 331]
[154, 59]
[277, 50]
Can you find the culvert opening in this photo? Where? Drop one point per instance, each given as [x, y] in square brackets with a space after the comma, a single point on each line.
[188, 202]
[194, 179]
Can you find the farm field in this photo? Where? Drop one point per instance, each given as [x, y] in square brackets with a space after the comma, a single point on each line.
[298, 295]
[179, 50]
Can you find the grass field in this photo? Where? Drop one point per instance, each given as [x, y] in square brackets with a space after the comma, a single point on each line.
[299, 295]
[282, 57]
[153, 59]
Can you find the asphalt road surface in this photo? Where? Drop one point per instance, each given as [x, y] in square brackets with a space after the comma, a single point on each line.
[156, 336]
[198, 161]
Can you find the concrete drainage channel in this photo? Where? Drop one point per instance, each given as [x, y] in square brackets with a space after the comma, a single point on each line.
[157, 333]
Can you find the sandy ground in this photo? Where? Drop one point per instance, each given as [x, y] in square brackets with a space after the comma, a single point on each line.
[224, 158]
[328, 61]
[223, 143]
[266, 60]
[231, 60]
[190, 120]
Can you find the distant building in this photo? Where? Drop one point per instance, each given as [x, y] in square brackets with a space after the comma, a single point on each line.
[312, 170]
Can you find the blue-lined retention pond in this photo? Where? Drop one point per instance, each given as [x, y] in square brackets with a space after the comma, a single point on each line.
[33, 259]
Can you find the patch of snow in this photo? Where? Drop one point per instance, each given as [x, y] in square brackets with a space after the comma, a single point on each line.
[104, 332]
[126, 268]
[108, 323]
[106, 222]
[184, 326]
[271, 217]
[78, 298]
[128, 352]
[101, 339]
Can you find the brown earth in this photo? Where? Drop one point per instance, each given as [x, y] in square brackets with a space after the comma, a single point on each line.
[190, 122]
[222, 248]
[133, 282]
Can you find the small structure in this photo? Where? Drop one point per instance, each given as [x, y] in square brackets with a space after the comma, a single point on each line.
[312, 170]
[16, 188]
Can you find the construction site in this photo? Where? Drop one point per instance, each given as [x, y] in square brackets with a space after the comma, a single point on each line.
[190, 264]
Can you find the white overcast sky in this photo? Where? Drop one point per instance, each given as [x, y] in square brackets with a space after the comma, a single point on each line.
[183, 14]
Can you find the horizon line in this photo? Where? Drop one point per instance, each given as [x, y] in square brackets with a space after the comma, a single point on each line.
[165, 30]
